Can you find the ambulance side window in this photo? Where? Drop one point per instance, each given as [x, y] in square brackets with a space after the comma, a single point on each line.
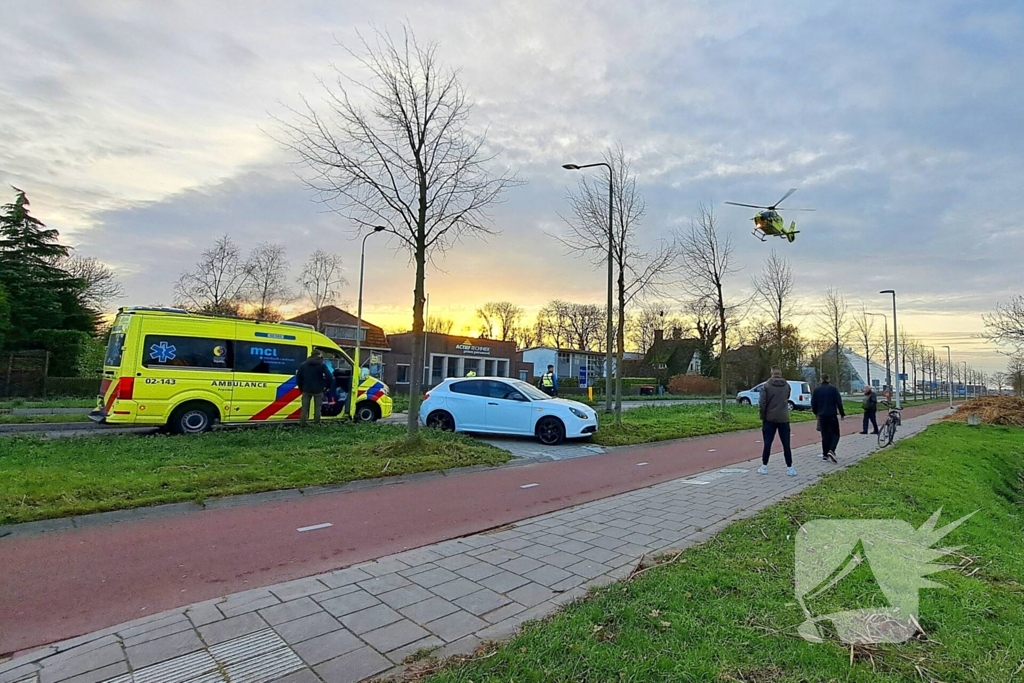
[169, 351]
[275, 359]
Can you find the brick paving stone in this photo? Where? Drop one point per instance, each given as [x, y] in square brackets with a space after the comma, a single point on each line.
[303, 676]
[477, 571]
[503, 582]
[583, 536]
[170, 629]
[588, 569]
[203, 613]
[307, 627]
[632, 550]
[607, 542]
[383, 584]
[424, 645]
[599, 555]
[394, 636]
[514, 544]
[429, 610]
[98, 675]
[76, 664]
[370, 619]
[522, 565]
[568, 583]
[233, 609]
[537, 551]
[456, 589]
[418, 556]
[385, 565]
[531, 594]
[548, 576]
[561, 559]
[162, 649]
[455, 562]
[328, 646]
[18, 673]
[496, 556]
[352, 602]
[219, 631]
[434, 577]
[321, 598]
[403, 597]
[298, 589]
[343, 577]
[466, 645]
[353, 667]
[482, 602]
[288, 611]
[640, 539]
[502, 613]
[455, 626]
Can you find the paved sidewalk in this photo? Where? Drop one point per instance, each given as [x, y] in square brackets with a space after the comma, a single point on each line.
[363, 621]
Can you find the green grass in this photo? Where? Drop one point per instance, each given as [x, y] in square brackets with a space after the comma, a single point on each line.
[41, 479]
[48, 403]
[41, 419]
[725, 610]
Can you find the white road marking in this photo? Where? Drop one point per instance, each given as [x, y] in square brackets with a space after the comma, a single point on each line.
[528, 486]
[314, 527]
[641, 464]
[712, 450]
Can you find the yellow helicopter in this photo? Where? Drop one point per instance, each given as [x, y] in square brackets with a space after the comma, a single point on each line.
[770, 223]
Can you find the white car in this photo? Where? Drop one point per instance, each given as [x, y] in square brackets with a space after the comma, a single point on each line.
[499, 405]
[799, 395]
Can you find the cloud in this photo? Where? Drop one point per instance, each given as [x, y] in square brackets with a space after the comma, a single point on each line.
[136, 129]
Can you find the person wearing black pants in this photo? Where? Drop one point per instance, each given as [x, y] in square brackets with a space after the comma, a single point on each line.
[870, 408]
[827, 405]
[773, 403]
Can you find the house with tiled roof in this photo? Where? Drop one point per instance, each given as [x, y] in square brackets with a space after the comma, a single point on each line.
[340, 327]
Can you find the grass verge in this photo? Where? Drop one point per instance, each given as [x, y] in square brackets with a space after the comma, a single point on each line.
[43, 479]
[725, 610]
[41, 419]
[48, 403]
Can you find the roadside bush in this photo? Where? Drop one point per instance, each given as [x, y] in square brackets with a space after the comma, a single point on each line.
[629, 384]
[73, 387]
[66, 347]
[692, 384]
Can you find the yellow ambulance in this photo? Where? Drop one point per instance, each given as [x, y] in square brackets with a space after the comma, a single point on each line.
[187, 372]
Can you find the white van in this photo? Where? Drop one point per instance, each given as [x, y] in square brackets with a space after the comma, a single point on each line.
[799, 395]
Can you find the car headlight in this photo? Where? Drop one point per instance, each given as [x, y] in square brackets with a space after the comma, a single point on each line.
[579, 413]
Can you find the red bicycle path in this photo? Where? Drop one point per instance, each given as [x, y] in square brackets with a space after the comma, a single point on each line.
[63, 584]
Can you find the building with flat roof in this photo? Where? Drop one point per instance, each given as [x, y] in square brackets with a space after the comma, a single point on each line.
[449, 355]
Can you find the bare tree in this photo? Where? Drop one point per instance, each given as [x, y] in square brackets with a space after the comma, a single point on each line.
[268, 277]
[553, 323]
[407, 161]
[642, 325]
[321, 280]
[219, 282]
[101, 285]
[706, 263]
[864, 333]
[637, 270]
[502, 316]
[705, 321]
[526, 336]
[1006, 324]
[773, 288]
[584, 323]
[439, 325]
[834, 326]
[1015, 373]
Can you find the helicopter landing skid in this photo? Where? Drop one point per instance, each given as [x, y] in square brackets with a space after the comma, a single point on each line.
[759, 236]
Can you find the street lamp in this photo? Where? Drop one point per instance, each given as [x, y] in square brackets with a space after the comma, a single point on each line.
[358, 369]
[608, 349]
[949, 377]
[895, 344]
[885, 319]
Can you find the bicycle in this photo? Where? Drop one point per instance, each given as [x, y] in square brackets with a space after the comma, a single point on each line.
[888, 431]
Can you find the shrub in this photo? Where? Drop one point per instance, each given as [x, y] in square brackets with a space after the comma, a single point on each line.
[66, 347]
[72, 387]
[692, 384]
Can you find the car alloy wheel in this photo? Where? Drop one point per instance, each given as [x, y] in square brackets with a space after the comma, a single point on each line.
[550, 431]
[441, 420]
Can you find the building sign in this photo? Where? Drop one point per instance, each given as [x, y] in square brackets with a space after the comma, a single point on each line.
[469, 349]
[583, 376]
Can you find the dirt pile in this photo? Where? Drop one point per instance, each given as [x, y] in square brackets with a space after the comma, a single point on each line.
[994, 410]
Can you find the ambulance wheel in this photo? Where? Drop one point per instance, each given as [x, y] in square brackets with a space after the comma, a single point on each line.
[367, 412]
[195, 417]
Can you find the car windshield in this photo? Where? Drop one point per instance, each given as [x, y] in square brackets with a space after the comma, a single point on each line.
[532, 392]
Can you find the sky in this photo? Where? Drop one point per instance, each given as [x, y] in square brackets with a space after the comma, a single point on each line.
[142, 131]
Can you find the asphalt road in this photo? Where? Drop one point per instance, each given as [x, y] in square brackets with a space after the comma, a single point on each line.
[62, 584]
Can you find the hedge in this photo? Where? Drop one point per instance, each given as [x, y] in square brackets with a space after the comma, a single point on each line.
[66, 347]
[72, 387]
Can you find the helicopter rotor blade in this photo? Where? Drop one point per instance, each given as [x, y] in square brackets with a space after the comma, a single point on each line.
[784, 197]
[798, 209]
[751, 206]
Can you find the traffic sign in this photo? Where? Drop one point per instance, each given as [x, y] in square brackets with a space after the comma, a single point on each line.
[583, 375]
[903, 376]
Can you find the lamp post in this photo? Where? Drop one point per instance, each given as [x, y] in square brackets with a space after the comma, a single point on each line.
[895, 344]
[949, 376]
[608, 348]
[885, 319]
[358, 370]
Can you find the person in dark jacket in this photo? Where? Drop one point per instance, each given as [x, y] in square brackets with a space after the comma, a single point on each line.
[773, 403]
[313, 379]
[870, 408]
[827, 405]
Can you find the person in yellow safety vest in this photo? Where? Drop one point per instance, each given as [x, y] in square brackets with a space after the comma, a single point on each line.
[471, 373]
[549, 382]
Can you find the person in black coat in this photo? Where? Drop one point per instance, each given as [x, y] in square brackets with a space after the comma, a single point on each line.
[313, 379]
[827, 405]
[870, 408]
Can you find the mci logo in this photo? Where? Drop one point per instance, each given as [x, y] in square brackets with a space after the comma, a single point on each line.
[262, 352]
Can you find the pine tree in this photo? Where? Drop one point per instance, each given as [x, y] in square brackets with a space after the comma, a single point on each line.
[40, 294]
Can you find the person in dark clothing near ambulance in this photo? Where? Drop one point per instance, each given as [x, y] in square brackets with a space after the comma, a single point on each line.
[827, 405]
[313, 379]
[773, 403]
[870, 408]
